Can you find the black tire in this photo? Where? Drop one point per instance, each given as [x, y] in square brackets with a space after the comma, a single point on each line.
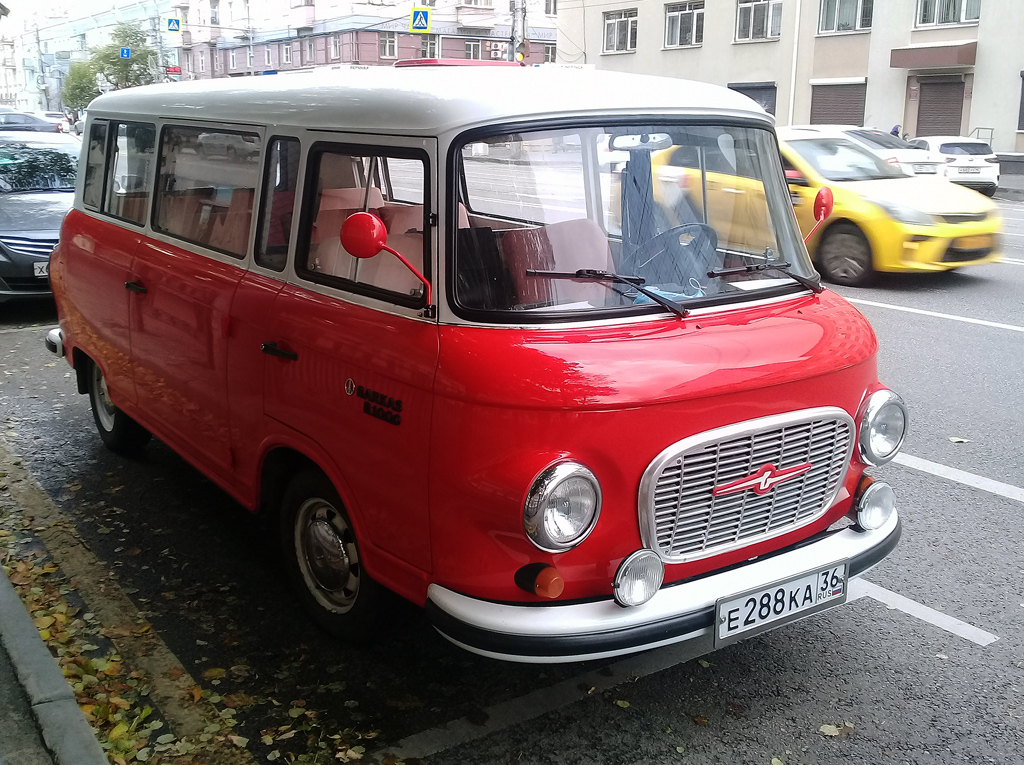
[120, 433]
[323, 560]
[845, 256]
[989, 191]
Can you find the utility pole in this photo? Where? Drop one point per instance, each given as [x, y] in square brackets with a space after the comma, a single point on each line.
[40, 76]
[161, 71]
[517, 39]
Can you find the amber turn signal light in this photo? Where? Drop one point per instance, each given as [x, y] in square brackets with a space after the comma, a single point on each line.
[540, 579]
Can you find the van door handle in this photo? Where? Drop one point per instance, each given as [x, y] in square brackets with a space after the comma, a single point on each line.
[135, 287]
[272, 349]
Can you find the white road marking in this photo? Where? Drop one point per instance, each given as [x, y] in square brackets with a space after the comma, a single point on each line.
[1014, 261]
[982, 322]
[1010, 233]
[960, 476]
[860, 588]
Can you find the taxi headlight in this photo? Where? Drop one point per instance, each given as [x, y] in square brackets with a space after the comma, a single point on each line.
[903, 214]
[883, 427]
[561, 507]
[875, 506]
[638, 579]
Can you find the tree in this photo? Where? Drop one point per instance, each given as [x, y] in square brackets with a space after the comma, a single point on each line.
[124, 72]
[79, 86]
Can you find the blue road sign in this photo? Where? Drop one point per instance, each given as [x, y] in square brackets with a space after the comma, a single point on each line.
[126, 52]
[419, 20]
[173, 25]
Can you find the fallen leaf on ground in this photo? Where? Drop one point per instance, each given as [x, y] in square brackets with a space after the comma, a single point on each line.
[621, 703]
[701, 720]
[215, 673]
[836, 730]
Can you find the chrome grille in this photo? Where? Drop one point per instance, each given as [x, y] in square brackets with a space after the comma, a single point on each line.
[964, 217]
[28, 246]
[682, 519]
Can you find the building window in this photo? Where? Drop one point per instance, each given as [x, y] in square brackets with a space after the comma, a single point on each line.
[335, 47]
[684, 24]
[473, 49]
[549, 54]
[286, 53]
[931, 12]
[388, 45]
[845, 15]
[202, 61]
[233, 59]
[551, 7]
[267, 59]
[428, 46]
[309, 51]
[620, 31]
[758, 19]
[248, 57]
[214, 12]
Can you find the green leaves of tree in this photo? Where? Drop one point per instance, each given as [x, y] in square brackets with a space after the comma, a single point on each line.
[124, 72]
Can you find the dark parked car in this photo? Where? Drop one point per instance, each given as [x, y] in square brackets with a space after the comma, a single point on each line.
[30, 122]
[37, 188]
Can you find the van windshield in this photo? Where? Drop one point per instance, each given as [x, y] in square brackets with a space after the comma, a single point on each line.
[669, 207]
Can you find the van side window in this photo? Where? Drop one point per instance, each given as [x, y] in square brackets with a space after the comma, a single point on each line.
[95, 161]
[131, 156]
[393, 188]
[275, 220]
[207, 185]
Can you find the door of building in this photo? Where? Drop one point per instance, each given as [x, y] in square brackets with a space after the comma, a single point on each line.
[941, 106]
[838, 104]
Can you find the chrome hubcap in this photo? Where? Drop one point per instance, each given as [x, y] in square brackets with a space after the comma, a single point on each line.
[325, 548]
[105, 409]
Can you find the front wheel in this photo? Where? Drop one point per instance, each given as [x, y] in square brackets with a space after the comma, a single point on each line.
[845, 256]
[120, 433]
[323, 559]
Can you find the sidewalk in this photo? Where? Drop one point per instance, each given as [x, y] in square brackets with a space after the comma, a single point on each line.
[1011, 187]
[41, 723]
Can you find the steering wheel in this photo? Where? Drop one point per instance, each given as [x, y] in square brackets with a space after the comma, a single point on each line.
[656, 245]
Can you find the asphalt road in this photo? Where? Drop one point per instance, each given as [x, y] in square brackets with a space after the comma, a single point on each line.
[909, 675]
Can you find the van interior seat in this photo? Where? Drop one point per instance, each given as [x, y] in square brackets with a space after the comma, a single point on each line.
[405, 234]
[565, 246]
[180, 212]
[229, 230]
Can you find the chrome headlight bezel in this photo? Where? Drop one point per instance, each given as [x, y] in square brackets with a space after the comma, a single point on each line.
[876, 403]
[538, 499]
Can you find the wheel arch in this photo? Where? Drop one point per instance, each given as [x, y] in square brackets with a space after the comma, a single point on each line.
[830, 227]
[81, 360]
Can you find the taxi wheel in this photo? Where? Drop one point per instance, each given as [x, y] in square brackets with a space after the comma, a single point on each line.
[845, 256]
[323, 559]
[119, 432]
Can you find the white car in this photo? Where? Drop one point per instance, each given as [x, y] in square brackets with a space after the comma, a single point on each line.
[893, 149]
[61, 120]
[969, 161]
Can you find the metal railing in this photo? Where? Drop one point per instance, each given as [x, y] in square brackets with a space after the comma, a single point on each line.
[982, 133]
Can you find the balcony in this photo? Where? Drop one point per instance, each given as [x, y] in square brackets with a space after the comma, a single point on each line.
[302, 15]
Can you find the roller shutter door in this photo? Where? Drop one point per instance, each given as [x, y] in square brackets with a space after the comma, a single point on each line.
[762, 92]
[838, 104]
[941, 108]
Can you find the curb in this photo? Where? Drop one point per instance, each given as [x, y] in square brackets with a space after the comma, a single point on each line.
[1005, 192]
[64, 730]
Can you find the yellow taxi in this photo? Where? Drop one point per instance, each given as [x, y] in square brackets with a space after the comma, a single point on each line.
[883, 220]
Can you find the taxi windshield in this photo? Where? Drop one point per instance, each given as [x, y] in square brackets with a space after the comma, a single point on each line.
[696, 214]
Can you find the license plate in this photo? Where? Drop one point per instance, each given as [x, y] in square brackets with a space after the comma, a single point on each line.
[970, 169]
[41, 268]
[755, 611]
[925, 169]
[974, 242]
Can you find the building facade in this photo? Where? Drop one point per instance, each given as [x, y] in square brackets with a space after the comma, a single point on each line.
[931, 66]
[231, 38]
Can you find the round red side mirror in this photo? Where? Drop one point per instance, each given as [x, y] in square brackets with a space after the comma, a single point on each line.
[363, 235]
[823, 204]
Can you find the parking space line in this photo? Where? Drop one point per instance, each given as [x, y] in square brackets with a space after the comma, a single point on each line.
[860, 588]
[961, 476]
[951, 317]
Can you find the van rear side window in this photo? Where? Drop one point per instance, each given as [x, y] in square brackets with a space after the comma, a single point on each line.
[95, 162]
[206, 187]
[281, 181]
[130, 159]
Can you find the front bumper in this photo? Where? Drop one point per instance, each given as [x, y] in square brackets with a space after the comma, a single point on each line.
[546, 633]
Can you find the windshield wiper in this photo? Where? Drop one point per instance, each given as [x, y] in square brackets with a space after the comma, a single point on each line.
[636, 282]
[781, 266]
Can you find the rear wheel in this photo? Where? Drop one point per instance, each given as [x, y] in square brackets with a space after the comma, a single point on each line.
[845, 256]
[323, 559]
[120, 433]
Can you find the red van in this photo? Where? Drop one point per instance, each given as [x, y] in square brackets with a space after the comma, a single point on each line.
[448, 327]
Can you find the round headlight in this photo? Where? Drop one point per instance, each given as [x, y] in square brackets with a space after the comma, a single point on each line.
[639, 577]
[875, 506]
[883, 427]
[562, 506]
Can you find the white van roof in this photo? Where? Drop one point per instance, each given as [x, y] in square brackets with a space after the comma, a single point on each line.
[424, 100]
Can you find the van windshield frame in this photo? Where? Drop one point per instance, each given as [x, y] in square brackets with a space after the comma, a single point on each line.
[587, 211]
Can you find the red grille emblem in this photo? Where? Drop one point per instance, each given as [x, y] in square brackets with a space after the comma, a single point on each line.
[763, 481]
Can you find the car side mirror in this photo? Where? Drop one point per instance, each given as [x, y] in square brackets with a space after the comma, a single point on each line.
[823, 206]
[364, 235]
[794, 178]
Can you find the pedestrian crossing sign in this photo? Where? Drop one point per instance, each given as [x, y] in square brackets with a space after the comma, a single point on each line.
[419, 20]
[173, 25]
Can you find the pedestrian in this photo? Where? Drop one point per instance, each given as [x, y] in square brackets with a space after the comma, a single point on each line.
[895, 131]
